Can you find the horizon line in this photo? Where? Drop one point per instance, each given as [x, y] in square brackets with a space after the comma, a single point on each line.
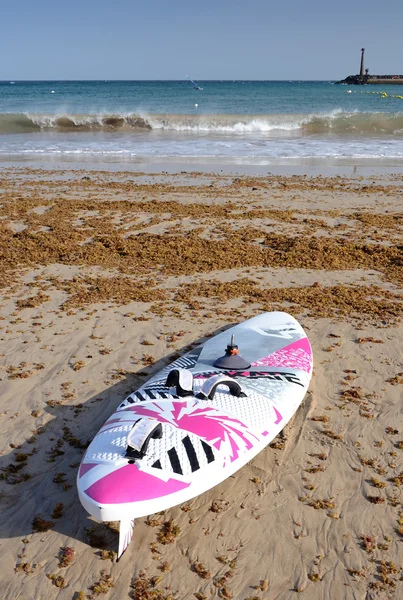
[133, 80]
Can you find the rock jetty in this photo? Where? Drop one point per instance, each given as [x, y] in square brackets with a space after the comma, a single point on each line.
[364, 78]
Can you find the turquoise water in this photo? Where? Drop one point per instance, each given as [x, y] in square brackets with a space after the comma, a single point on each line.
[247, 121]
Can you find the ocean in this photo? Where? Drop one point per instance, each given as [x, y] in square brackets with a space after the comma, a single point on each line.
[226, 122]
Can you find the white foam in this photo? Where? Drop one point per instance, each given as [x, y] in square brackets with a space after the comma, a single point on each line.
[165, 145]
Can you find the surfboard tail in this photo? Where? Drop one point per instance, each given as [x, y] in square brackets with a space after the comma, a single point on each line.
[125, 535]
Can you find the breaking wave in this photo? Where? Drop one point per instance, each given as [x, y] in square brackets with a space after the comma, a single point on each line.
[337, 122]
[27, 123]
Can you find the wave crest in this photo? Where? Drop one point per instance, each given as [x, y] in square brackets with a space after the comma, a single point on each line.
[27, 123]
[337, 122]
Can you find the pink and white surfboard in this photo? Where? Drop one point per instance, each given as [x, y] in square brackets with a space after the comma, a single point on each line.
[194, 423]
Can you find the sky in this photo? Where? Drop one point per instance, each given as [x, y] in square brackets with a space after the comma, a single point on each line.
[210, 39]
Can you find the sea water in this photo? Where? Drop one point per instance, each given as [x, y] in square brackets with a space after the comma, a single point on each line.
[232, 122]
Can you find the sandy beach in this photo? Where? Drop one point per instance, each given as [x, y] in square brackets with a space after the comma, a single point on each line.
[107, 277]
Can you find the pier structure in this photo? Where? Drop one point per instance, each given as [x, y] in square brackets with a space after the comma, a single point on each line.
[365, 78]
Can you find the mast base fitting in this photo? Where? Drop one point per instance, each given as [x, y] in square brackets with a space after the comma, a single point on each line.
[232, 359]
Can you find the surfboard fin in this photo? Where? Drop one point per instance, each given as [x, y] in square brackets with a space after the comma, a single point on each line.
[125, 535]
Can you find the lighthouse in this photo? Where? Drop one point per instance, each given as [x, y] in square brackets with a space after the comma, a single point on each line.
[362, 62]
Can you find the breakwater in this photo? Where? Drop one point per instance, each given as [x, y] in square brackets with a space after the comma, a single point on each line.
[372, 79]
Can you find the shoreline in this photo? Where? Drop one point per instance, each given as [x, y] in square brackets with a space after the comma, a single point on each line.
[311, 167]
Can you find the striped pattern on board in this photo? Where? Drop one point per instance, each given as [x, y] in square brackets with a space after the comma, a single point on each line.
[189, 457]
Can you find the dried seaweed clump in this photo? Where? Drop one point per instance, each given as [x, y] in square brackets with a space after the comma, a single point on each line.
[122, 290]
[319, 301]
[108, 555]
[33, 301]
[397, 379]
[376, 499]
[26, 568]
[219, 506]
[368, 543]
[67, 556]
[39, 524]
[57, 580]
[144, 588]
[104, 584]
[58, 510]
[201, 570]
[369, 340]
[317, 503]
[169, 532]
[11, 473]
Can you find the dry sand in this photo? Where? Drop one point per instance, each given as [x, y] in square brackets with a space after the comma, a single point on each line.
[108, 277]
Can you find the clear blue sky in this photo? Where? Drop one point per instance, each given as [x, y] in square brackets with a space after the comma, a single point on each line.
[210, 39]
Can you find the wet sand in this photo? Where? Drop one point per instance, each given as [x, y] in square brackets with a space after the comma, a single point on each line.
[107, 277]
